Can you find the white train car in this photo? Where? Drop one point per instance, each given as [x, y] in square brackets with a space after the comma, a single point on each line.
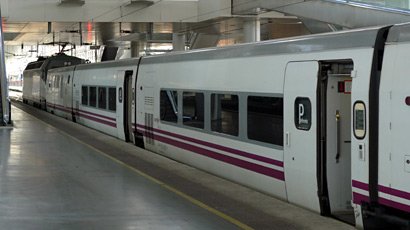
[221, 110]
[35, 77]
[389, 162]
[231, 112]
[102, 96]
[31, 83]
[318, 121]
[59, 94]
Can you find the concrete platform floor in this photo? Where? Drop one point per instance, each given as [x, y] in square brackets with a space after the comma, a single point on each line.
[61, 175]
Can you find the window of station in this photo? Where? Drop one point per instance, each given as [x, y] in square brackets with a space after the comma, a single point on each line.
[93, 96]
[265, 119]
[84, 95]
[225, 114]
[193, 109]
[102, 97]
[169, 106]
[112, 99]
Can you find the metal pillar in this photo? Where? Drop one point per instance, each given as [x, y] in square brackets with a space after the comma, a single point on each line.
[4, 97]
[136, 48]
[178, 42]
[252, 30]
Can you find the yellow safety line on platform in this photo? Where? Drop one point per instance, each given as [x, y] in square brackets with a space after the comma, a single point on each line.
[162, 184]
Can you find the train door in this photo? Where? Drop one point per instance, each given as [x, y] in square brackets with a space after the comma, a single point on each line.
[128, 100]
[50, 94]
[124, 104]
[318, 136]
[78, 94]
[120, 104]
[301, 139]
[68, 94]
[335, 128]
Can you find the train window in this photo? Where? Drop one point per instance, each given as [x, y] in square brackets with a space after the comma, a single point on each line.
[56, 78]
[102, 97]
[359, 120]
[93, 96]
[265, 119]
[303, 113]
[193, 109]
[68, 80]
[84, 95]
[34, 65]
[169, 106]
[61, 87]
[58, 82]
[225, 114]
[112, 99]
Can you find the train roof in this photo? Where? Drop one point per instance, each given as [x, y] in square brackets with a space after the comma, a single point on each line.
[109, 64]
[43, 63]
[399, 33]
[62, 69]
[312, 43]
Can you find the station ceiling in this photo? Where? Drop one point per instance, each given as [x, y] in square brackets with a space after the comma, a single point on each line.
[86, 33]
[119, 22]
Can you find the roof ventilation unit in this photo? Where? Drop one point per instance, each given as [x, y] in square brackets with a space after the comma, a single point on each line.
[71, 2]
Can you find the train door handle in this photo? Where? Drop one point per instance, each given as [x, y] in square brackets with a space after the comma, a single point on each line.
[287, 138]
[338, 135]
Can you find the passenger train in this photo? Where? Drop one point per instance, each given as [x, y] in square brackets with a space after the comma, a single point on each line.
[319, 121]
[35, 74]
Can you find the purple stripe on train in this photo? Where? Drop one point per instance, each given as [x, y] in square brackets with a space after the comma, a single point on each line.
[384, 189]
[219, 147]
[394, 192]
[360, 185]
[98, 120]
[227, 159]
[97, 115]
[358, 198]
[82, 111]
[59, 107]
[83, 114]
[394, 204]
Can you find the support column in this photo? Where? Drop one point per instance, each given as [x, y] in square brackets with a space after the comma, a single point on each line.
[178, 42]
[252, 30]
[4, 97]
[137, 48]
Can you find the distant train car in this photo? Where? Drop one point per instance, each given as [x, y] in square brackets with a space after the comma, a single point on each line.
[89, 95]
[35, 77]
[59, 92]
[319, 121]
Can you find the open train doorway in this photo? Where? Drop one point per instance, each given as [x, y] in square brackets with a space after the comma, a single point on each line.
[128, 105]
[317, 151]
[335, 84]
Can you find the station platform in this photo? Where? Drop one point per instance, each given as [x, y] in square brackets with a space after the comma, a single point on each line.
[56, 174]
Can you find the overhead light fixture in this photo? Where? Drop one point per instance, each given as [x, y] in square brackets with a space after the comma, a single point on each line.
[138, 2]
[259, 10]
[71, 2]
